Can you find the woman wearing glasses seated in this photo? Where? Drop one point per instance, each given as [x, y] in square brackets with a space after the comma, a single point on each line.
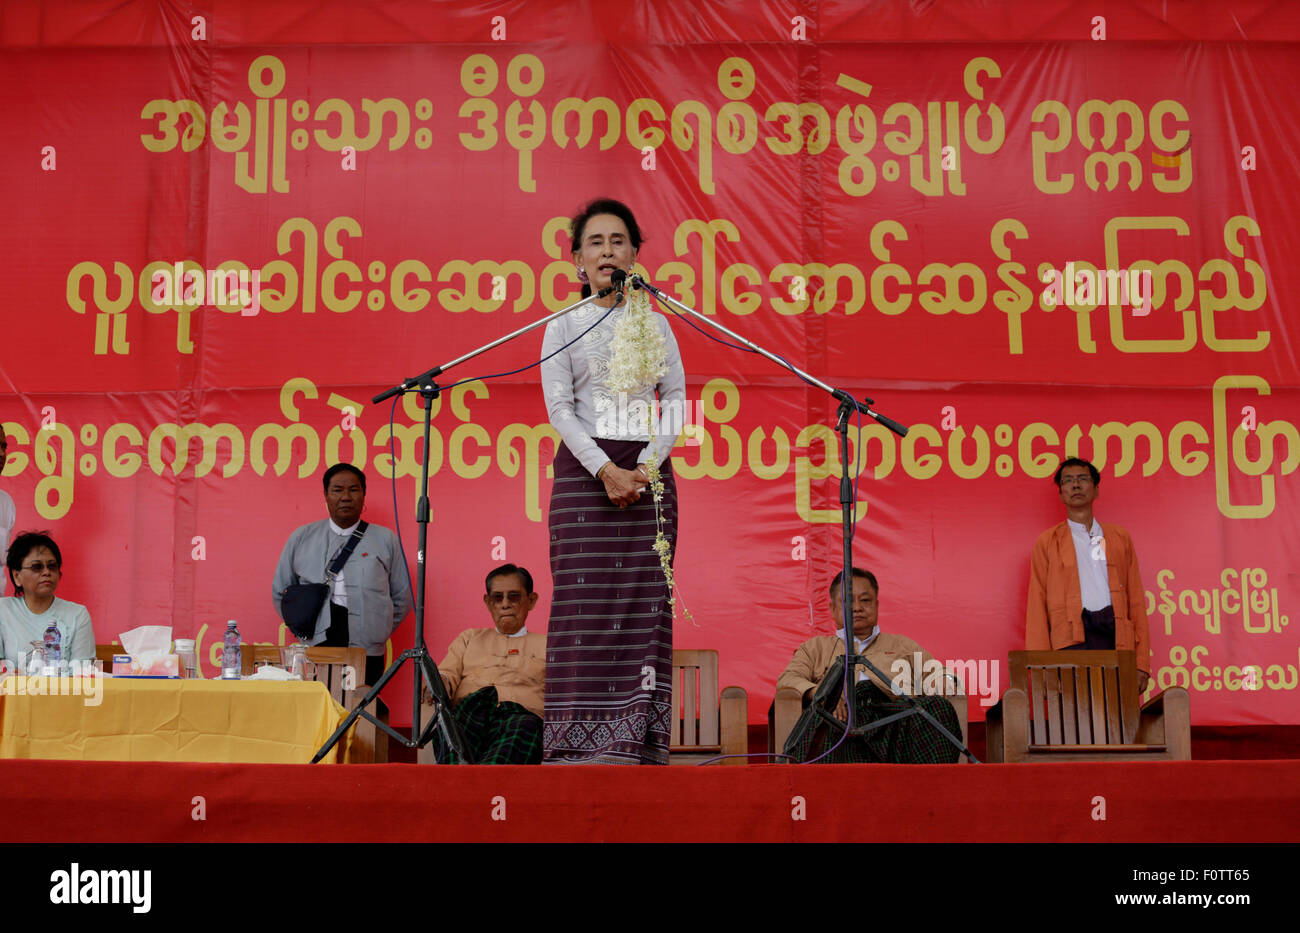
[34, 564]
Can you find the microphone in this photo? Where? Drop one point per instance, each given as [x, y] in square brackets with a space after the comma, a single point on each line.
[638, 282]
[619, 278]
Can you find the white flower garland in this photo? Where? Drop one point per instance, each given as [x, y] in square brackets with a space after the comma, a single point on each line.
[640, 360]
[640, 353]
[661, 545]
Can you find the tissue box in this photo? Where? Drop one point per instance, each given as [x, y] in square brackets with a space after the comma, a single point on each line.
[121, 665]
[158, 665]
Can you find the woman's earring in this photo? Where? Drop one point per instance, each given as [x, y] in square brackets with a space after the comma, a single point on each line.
[582, 274]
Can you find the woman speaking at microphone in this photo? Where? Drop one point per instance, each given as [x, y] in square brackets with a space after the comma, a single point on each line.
[609, 640]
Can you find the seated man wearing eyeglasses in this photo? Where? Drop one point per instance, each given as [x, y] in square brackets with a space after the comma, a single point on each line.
[1084, 587]
[496, 676]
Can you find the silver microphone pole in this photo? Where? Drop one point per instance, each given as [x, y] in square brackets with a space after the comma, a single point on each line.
[425, 671]
[847, 404]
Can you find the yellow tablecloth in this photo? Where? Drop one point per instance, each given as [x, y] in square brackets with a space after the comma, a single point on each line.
[167, 720]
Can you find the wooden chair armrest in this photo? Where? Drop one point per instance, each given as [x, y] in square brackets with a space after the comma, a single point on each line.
[993, 733]
[1157, 702]
[961, 707]
[734, 724]
[426, 756]
[370, 743]
[1015, 725]
[1151, 721]
[1166, 719]
[787, 708]
[771, 727]
[363, 741]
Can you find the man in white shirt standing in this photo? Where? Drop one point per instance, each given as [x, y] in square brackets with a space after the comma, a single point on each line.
[1085, 590]
[372, 594]
[8, 514]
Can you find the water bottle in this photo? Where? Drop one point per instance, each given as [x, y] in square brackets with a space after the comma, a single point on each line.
[231, 662]
[53, 651]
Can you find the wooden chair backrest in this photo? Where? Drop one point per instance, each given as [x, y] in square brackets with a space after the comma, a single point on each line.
[247, 656]
[1078, 697]
[331, 667]
[695, 699]
[269, 654]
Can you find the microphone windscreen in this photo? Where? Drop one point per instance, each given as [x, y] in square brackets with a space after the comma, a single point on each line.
[618, 278]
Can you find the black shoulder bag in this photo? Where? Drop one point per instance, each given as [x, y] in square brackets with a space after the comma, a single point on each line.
[300, 602]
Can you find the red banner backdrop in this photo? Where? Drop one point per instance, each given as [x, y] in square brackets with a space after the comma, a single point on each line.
[883, 193]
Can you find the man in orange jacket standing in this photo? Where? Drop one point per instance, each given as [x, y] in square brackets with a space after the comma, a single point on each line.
[1084, 587]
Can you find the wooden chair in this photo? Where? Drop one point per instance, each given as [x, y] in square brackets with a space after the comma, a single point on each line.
[705, 724]
[1084, 706]
[787, 707]
[343, 672]
[265, 654]
[330, 666]
[369, 743]
[247, 656]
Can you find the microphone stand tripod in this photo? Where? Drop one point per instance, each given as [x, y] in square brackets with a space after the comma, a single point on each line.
[848, 405]
[424, 667]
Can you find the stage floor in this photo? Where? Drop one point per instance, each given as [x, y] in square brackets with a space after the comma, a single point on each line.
[1196, 801]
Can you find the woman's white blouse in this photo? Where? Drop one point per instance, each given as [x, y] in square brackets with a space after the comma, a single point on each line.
[580, 404]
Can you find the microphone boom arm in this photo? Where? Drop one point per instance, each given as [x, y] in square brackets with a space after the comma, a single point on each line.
[839, 394]
[426, 377]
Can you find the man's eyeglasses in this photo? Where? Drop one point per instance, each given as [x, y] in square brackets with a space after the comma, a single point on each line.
[42, 566]
[1084, 480]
